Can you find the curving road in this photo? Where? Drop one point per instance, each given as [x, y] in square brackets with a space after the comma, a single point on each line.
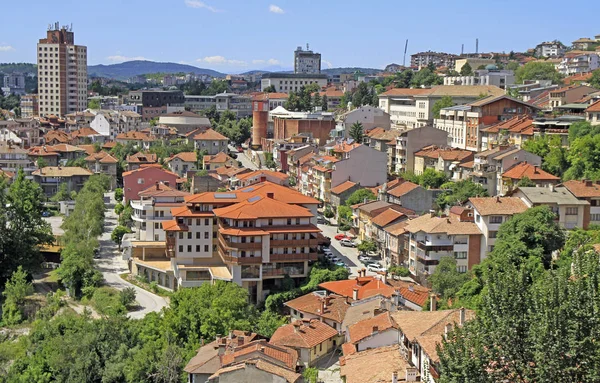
[111, 264]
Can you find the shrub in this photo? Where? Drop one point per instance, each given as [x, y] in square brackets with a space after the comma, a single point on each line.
[119, 194]
[154, 286]
[107, 301]
[127, 296]
[119, 208]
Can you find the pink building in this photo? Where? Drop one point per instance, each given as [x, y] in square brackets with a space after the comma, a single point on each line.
[135, 181]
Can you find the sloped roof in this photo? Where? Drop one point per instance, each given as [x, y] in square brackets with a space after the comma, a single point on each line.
[386, 217]
[140, 157]
[560, 195]
[262, 207]
[342, 187]
[367, 327]
[209, 134]
[263, 365]
[37, 151]
[403, 188]
[255, 173]
[220, 157]
[303, 334]
[367, 287]
[134, 136]
[583, 188]
[498, 205]
[447, 154]
[162, 190]
[145, 167]
[449, 225]
[375, 365]
[102, 157]
[84, 132]
[62, 171]
[184, 156]
[533, 172]
[363, 309]
[66, 148]
[313, 303]
[595, 107]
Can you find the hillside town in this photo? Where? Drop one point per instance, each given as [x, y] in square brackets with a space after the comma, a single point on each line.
[435, 221]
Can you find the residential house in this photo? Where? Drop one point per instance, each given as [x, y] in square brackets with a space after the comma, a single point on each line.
[490, 165]
[46, 152]
[396, 245]
[384, 141]
[578, 63]
[550, 49]
[140, 139]
[368, 116]
[54, 137]
[411, 141]
[441, 159]
[379, 234]
[365, 213]
[134, 181]
[589, 191]
[68, 152]
[431, 237]
[110, 123]
[583, 43]
[377, 365]
[378, 331]
[241, 180]
[521, 170]
[465, 122]
[218, 160]
[514, 131]
[593, 113]
[182, 163]
[103, 163]
[208, 140]
[340, 193]
[422, 332]
[569, 94]
[85, 135]
[296, 158]
[328, 308]
[414, 107]
[411, 196]
[334, 97]
[490, 213]
[571, 212]
[50, 178]
[135, 161]
[13, 158]
[311, 338]
[556, 126]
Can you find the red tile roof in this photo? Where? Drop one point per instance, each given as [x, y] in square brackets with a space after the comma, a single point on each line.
[447, 154]
[584, 188]
[386, 217]
[262, 207]
[332, 307]
[102, 157]
[134, 136]
[498, 205]
[209, 134]
[342, 187]
[368, 327]
[148, 166]
[303, 334]
[534, 173]
[595, 107]
[367, 286]
[162, 190]
[344, 147]
[402, 189]
[140, 157]
[84, 132]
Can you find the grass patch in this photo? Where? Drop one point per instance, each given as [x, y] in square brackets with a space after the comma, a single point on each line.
[107, 301]
[53, 276]
[153, 288]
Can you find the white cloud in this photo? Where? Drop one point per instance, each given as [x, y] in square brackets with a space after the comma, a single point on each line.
[201, 4]
[269, 61]
[329, 65]
[275, 9]
[6, 48]
[120, 59]
[220, 60]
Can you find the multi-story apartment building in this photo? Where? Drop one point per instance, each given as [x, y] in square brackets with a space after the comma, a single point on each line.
[208, 140]
[490, 213]
[587, 190]
[62, 73]
[550, 49]
[431, 237]
[253, 237]
[306, 61]
[569, 94]
[291, 82]
[413, 108]
[111, 123]
[514, 131]
[464, 122]
[441, 159]
[573, 64]
[369, 116]
[199, 103]
[14, 83]
[51, 177]
[13, 158]
[154, 103]
[238, 104]
[411, 141]
[499, 78]
[30, 105]
[422, 59]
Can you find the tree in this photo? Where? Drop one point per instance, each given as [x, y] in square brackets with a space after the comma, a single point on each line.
[357, 132]
[399, 271]
[466, 70]
[325, 103]
[119, 194]
[444, 102]
[432, 179]
[270, 89]
[127, 296]
[594, 81]
[328, 213]
[344, 213]
[94, 104]
[367, 245]
[426, 77]
[512, 65]
[446, 280]
[551, 150]
[458, 193]
[537, 70]
[317, 101]
[525, 182]
[41, 163]
[15, 291]
[125, 217]
[117, 234]
[360, 196]
[581, 129]
[268, 322]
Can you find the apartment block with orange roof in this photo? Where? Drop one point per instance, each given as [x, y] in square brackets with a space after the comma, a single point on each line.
[442, 159]
[587, 190]
[242, 180]
[252, 236]
[521, 170]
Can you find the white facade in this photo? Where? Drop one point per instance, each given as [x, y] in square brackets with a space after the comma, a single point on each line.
[498, 78]
[578, 64]
[550, 49]
[369, 116]
[287, 83]
[306, 61]
[148, 218]
[456, 246]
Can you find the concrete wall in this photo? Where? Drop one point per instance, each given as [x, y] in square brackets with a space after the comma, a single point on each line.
[418, 138]
[382, 339]
[366, 166]
[250, 374]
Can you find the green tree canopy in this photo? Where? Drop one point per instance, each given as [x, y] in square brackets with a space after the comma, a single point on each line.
[432, 179]
[446, 280]
[537, 70]
[117, 234]
[595, 79]
[15, 291]
[466, 70]
[426, 77]
[357, 132]
[359, 196]
[444, 102]
[458, 193]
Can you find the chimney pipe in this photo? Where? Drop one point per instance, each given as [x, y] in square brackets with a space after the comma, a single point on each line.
[447, 329]
[432, 302]
[461, 316]
[394, 378]
[355, 294]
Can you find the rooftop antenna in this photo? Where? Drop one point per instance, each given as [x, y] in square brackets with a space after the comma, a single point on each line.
[476, 46]
[405, 48]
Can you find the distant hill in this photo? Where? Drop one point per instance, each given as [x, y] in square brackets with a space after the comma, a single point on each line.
[129, 69]
[8, 68]
[335, 71]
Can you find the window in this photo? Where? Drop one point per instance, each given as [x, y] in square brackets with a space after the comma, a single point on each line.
[496, 219]
[180, 235]
[289, 221]
[140, 181]
[198, 235]
[198, 221]
[595, 217]
[460, 254]
[493, 234]
[181, 248]
[477, 217]
[206, 222]
[571, 211]
[189, 248]
[189, 236]
[206, 248]
[461, 269]
[156, 225]
[197, 248]
[206, 235]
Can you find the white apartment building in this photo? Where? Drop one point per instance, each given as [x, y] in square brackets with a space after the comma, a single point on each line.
[550, 49]
[291, 82]
[422, 59]
[369, 116]
[413, 108]
[490, 213]
[62, 73]
[111, 123]
[576, 64]
[501, 79]
[306, 61]
[238, 104]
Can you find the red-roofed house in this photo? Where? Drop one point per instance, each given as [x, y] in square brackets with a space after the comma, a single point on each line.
[257, 176]
[208, 140]
[331, 308]
[103, 163]
[512, 176]
[134, 181]
[593, 113]
[138, 159]
[587, 190]
[184, 162]
[441, 159]
[378, 331]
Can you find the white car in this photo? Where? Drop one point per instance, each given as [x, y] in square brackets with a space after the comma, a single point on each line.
[347, 243]
[375, 267]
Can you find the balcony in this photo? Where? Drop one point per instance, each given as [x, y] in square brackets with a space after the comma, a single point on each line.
[239, 260]
[294, 242]
[313, 256]
[239, 245]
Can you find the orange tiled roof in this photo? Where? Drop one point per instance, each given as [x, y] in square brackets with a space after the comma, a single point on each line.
[285, 355]
[140, 157]
[331, 307]
[448, 225]
[185, 157]
[6, 173]
[344, 147]
[498, 205]
[220, 157]
[447, 154]
[412, 292]
[42, 151]
[374, 365]
[584, 188]
[595, 107]
[386, 217]
[89, 149]
[584, 77]
[57, 135]
[162, 190]
[102, 157]
[533, 172]
[262, 207]
[342, 187]
[402, 189]
[62, 171]
[303, 334]
[367, 286]
[148, 166]
[84, 132]
[209, 134]
[271, 173]
[134, 136]
[365, 328]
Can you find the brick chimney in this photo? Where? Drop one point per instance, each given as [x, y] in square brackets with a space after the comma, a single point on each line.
[375, 329]
[432, 302]
[355, 294]
[296, 325]
[270, 195]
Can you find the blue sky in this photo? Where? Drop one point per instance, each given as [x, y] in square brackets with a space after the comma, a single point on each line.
[238, 35]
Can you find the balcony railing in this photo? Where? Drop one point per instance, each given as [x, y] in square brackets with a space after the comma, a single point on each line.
[239, 245]
[294, 242]
[240, 260]
[294, 257]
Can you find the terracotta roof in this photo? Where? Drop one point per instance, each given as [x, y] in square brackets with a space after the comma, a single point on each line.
[281, 176]
[533, 172]
[584, 77]
[134, 136]
[386, 217]
[342, 187]
[498, 205]
[285, 355]
[184, 156]
[57, 135]
[42, 151]
[313, 303]
[109, 145]
[344, 147]
[6, 173]
[102, 157]
[143, 167]
[303, 334]
[260, 364]
[348, 349]
[489, 99]
[374, 131]
[447, 154]
[368, 327]
[209, 134]
[140, 157]
[405, 92]
[584, 188]
[62, 171]
[595, 107]
[397, 228]
[375, 365]
[367, 287]
[514, 125]
[66, 148]
[173, 226]
[448, 225]
[402, 189]
[390, 185]
[162, 190]
[89, 149]
[262, 207]
[268, 96]
[207, 359]
[220, 157]
[84, 132]
[428, 327]
[387, 135]
[412, 292]
[322, 169]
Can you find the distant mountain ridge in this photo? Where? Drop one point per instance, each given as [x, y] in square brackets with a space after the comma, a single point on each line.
[125, 70]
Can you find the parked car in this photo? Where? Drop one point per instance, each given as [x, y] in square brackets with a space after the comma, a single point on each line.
[321, 221]
[340, 236]
[372, 254]
[335, 259]
[375, 267]
[340, 264]
[364, 258]
[46, 214]
[347, 243]
[327, 241]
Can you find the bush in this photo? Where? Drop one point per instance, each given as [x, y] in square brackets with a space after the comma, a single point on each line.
[119, 208]
[399, 271]
[127, 296]
[154, 286]
[119, 194]
[107, 301]
[328, 213]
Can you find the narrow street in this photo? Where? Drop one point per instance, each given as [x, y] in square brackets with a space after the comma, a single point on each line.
[111, 264]
[243, 158]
